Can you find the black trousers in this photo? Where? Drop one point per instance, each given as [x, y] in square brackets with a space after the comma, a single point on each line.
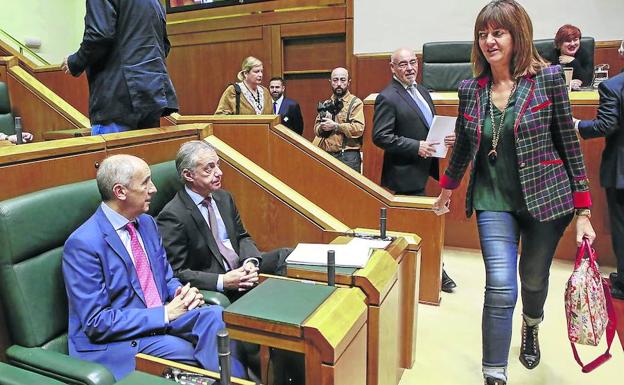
[351, 158]
[615, 200]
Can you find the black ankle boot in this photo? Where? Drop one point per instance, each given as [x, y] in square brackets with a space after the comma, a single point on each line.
[493, 381]
[529, 351]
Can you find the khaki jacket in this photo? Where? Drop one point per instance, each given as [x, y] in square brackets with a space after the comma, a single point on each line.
[349, 130]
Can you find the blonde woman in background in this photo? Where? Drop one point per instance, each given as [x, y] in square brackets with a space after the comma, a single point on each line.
[253, 98]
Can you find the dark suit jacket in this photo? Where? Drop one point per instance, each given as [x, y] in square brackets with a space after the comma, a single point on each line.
[399, 126]
[107, 311]
[191, 248]
[609, 123]
[291, 115]
[123, 51]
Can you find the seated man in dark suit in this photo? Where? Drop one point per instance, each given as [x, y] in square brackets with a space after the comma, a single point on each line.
[287, 108]
[203, 234]
[609, 123]
[123, 298]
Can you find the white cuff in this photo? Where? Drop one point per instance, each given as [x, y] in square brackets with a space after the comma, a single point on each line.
[220, 283]
[253, 260]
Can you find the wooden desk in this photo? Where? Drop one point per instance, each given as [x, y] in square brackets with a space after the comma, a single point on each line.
[391, 301]
[327, 324]
[378, 280]
[159, 367]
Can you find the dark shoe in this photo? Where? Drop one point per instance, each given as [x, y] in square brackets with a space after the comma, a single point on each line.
[493, 381]
[529, 351]
[617, 287]
[447, 283]
[617, 292]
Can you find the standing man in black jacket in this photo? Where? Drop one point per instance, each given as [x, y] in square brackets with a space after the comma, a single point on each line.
[123, 51]
[404, 112]
[287, 108]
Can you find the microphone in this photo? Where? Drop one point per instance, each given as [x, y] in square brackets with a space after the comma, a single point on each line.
[223, 350]
[331, 268]
[382, 223]
[18, 130]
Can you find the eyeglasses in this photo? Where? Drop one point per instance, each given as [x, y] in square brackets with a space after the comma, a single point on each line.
[403, 64]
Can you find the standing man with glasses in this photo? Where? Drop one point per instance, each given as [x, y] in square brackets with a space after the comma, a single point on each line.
[403, 115]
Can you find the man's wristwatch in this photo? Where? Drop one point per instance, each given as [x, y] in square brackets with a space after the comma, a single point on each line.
[583, 213]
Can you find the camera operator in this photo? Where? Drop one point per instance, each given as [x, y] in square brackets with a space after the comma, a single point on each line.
[339, 126]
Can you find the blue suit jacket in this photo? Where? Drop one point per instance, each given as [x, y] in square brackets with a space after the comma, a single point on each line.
[107, 312]
[609, 123]
[291, 115]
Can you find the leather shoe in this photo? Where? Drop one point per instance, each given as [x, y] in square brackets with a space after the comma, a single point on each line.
[493, 381]
[529, 350]
[447, 283]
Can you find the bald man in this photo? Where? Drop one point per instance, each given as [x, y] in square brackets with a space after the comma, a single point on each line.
[123, 298]
[404, 112]
[340, 134]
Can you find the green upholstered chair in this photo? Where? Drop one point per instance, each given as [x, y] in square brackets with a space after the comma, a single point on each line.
[7, 123]
[445, 64]
[33, 229]
[11, 375]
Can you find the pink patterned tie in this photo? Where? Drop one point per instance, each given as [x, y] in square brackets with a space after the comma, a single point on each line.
[141, 263]
[230, 255]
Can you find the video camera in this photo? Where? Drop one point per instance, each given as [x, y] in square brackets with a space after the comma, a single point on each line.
[330, 107]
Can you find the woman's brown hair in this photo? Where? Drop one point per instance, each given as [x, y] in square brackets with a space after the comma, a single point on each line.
[509, 15]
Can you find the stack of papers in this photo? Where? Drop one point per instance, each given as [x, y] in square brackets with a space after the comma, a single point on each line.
[353, 254]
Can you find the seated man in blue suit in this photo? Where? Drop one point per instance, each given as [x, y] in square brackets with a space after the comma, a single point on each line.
[123, 298]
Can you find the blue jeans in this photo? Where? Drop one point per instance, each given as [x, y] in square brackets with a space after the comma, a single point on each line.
[499, 234]
[148, 120]
[98, 129]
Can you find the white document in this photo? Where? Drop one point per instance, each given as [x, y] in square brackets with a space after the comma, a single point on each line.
[353, 254]
[441, 127]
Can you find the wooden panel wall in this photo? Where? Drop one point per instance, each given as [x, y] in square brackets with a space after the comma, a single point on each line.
[301, 45]
[37, 166]
[74, 91]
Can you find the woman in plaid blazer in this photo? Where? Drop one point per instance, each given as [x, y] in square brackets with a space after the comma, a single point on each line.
[527, 176]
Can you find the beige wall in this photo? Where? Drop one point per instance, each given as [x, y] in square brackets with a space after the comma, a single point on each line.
[57, 23]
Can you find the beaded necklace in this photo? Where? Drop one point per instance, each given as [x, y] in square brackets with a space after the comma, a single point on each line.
[497, 129]
[255, 98]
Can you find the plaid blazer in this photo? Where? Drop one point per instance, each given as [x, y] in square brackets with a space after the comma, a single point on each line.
[550, 162]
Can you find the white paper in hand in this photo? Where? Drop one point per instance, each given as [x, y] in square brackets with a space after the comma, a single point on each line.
[441, 127]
